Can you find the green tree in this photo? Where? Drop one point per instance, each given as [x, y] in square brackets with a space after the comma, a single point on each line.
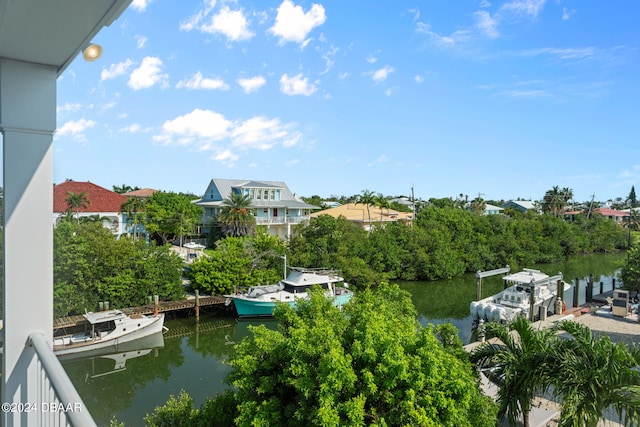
[236, 218]
[76, 202]
[134, 209]
[121, 189]
[370, 364]
[235, 262]
[591, 374]
[171, 215]
[554, 201]
[516, 365]
[632, 200]
[381, 202]
[367, 198]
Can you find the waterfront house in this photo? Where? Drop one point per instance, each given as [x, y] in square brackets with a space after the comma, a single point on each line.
[366, 217]
[103, 203]
[276, 208]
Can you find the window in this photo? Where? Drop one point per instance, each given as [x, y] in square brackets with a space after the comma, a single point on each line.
[266, 195]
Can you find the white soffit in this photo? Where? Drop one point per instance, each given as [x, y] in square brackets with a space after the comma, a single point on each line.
[53, 32]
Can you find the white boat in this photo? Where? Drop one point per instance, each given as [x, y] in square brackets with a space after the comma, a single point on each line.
[108, 330]
[523, 291]
[261, 300]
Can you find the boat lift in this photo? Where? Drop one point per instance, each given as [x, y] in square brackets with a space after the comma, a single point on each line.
[481, 274]
[557, 278]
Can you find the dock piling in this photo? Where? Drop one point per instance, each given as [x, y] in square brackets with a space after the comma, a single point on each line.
[576, 292]
[155, 305]
[197, 306]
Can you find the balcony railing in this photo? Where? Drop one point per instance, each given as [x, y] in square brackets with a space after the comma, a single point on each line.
[281, 220]
[59, 404]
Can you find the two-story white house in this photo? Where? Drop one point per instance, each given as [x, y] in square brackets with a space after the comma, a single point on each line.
[275, 206]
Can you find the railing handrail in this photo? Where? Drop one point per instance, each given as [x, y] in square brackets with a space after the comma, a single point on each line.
[59, 380]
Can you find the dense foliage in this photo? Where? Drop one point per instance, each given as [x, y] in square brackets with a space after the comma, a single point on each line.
[238, 262]
[630, 272]
[588, 374]
[171, 215]
[371, 364]
[92, 265]
[445, 241]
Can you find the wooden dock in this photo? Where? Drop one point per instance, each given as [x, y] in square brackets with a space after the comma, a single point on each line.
[163, 307]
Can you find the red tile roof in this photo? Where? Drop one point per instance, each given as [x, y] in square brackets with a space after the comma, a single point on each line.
[100, 199]
[610, 212]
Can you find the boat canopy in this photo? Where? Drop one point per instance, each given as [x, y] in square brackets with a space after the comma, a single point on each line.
[525, 277]
[104, 316]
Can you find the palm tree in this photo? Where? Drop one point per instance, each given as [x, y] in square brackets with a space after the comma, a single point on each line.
[592, 374]
[367, 198]
[517, 365]
[382, 203]
[236, 216]
[77, 201]
[132, 207]
[554, 201]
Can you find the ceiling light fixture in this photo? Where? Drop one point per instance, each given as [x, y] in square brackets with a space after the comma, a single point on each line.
[92, 52]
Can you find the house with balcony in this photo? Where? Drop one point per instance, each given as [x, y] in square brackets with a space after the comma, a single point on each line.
[101, 203]
[275, 206]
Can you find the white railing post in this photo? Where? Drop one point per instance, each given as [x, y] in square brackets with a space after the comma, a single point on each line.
[59, 403]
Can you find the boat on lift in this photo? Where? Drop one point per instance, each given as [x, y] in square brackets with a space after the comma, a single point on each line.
[529, 293]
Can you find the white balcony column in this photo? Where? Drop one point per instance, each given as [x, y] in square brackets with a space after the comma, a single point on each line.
[27, 123]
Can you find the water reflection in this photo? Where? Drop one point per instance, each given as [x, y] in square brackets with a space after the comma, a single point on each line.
[131, 383]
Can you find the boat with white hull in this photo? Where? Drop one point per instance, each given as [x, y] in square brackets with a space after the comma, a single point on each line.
[524, 291]
[261, 300]
[108, 330]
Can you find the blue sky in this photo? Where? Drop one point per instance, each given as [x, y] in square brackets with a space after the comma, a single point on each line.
[504, 99]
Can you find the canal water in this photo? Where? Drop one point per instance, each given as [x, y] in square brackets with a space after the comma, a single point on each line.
[192, 357]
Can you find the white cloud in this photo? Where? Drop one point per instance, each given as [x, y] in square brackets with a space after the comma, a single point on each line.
[194, 20]
[416, 13]
[456, 38]
[140, 41]
[251, 84]
[68, 107]
[75, 129]
[381, 159]
[381, 74]
[418, 78]
[148, 74]
[527, 7]
[294, 25]
[533, 93]
[371, 59]
[135, 128]
[116, 70]
[140, 5]
[199, 82]
[566, 13]
[231, 23]
[296, 85]
[564, 53]
[329, 58]
[486, 24]
[207, 130]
